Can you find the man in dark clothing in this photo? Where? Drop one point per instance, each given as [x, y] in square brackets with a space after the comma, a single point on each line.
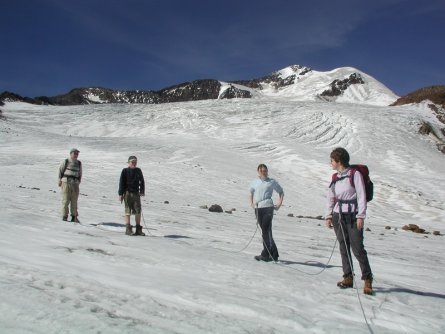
[131, 188]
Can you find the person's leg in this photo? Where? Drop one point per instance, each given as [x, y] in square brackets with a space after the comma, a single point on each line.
[343, 242]
[269, 245]
[272, 245]
[358, 248]
[361, 255]
[65, 201]
[128, 228]
[138, 212]
[74, 196]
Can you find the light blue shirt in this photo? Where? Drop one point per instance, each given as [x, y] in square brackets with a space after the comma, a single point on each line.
[262, 190]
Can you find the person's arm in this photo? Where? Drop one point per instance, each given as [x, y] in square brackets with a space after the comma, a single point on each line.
[280, 192]
[361, 199]
[280, 201]
[330, 206]
[251, 194]
[80, 171]
[61, 171]
[251, 200]
[142, 184]
[122, 183]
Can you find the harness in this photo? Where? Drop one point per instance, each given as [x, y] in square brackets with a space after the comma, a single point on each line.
[70, 176]
[350, 201]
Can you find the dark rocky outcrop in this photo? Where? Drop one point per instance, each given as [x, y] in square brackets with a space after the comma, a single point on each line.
[425, 128]
[190, 91]
[339, 86]
[275, 79]
[10, 97]
[437, 135]
[232, 92]
[98, 95]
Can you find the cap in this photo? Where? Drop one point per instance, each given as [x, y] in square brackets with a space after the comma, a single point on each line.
[132, 157]
[74, 150]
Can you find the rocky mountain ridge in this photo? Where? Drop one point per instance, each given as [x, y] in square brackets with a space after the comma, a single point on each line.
[299, 81]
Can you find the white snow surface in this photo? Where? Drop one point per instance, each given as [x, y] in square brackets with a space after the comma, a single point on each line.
[194, 272]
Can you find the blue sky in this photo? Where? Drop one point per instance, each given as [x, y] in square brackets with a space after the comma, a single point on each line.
[51, 46]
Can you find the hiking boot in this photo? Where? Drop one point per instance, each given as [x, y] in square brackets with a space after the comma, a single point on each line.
[74, 219]
[262, 258]
[65, 218]
[347, 282]
[139, 230]
[367, 290]
[129, 230]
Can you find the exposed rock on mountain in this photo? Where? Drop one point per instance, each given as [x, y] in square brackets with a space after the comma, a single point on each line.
[233, 92]
[339, 86]
[278, 79]
[435, 97]
[190, 91]
[12, 97]
[435, 94]
[103, 95]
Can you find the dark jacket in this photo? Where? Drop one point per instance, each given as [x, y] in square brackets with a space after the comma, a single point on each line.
[131, 180]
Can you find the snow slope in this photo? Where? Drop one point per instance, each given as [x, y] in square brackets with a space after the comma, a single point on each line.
[194, 272]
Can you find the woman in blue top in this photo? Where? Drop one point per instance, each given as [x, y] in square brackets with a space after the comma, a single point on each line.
[261, 190]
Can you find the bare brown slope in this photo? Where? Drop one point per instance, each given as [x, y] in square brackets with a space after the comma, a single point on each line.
[435, 94]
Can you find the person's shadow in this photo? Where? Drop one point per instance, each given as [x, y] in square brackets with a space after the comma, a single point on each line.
[308, 263]
[406, 290]
[109, 224]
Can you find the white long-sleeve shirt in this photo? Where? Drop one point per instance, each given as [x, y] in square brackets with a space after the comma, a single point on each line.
[262, 190]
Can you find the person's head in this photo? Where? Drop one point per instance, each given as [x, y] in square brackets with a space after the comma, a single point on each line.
[74, 153]
[132, 161]
[262, 170]
[340, 158]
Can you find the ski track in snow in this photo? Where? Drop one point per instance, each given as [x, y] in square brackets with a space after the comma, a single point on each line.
[193, 272]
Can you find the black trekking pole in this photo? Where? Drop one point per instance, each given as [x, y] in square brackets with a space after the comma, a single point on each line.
[145, 225]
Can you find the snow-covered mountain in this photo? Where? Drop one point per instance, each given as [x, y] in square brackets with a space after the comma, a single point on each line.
[296, 82]
[344, 84]
[194, 273]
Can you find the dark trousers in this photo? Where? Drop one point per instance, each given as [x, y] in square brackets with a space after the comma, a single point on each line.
[349, 236]
[264, 217]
